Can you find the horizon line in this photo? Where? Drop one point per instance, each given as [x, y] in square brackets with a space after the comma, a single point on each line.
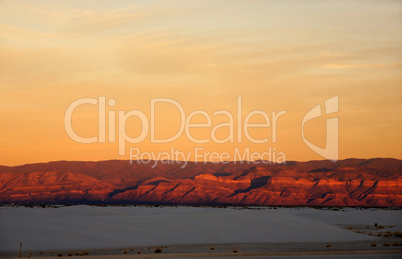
[201, 162]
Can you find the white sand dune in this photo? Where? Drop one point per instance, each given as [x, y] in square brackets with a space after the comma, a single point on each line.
[81, 227]
[351, 216]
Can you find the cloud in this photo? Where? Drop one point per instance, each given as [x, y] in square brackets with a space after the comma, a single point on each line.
[167, 54]
[364, 65]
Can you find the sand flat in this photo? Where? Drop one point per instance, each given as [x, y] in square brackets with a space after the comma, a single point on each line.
[114, 228]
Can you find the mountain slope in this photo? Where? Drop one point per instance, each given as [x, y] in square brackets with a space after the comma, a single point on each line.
[350, 182]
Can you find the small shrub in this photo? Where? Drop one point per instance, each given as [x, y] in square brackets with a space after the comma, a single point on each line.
[328, 245]
[139, 252]
[59, 255]
[386, 244]
[125, 252]
[83, 253]
[69, 254]
[211, 248]
[373, 244]
[235, 251]
[158, 250]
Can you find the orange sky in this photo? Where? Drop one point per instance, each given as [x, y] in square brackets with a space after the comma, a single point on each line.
[276, 55]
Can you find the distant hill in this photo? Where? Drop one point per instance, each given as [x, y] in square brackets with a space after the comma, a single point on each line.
[350, 182]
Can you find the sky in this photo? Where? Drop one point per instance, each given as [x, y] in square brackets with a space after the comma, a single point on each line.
[275, 55]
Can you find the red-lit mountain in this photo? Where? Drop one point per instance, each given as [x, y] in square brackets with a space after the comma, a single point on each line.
[350, 182]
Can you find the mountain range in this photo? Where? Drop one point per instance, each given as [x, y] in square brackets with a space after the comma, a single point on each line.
[351, 182]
